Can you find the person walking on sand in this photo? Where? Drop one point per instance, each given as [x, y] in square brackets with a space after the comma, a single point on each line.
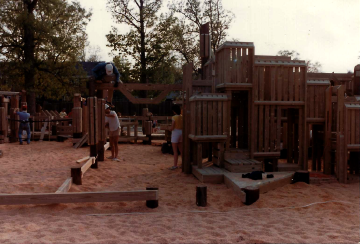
[112, 122]
[24, 123]
[176, 135]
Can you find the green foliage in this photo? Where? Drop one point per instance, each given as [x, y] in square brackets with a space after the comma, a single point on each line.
[193, 14]
[148, 44]
[59, 38]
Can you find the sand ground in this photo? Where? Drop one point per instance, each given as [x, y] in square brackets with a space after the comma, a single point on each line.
[279, 216]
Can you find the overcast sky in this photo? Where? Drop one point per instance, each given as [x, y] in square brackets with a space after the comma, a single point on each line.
[327, 31]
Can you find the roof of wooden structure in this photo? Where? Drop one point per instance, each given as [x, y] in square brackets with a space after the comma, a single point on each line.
[236, 45]
[271, 62]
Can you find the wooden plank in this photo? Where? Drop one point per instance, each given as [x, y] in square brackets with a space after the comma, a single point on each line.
[193, 117]
[261, 84]
[291, 84]
[267, 87]
[87, 165]
[209, 138]
[198, 118]
[81, 141]
[77, 197]
[286, 83]
[272, 129]
[226, 64]
[205, 116]
[266, 154]
[278, 128]
[65, 187]
[220, 118]
[316, 101]
[290, 135]
[302, 83]
[279, 83]
[261, 128]
[267, 128]
[273, 84]
[296, 85]
[82, 160]
[280, 103]
[91, 121]
[244, 69]
[301, 127]
[352, 124]
[255, 89]
[215, 120]
[311, 104]
[138, 86]
[210, 118]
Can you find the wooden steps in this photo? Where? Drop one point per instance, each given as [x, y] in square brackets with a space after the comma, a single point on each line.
[210, 174]
[242, 165]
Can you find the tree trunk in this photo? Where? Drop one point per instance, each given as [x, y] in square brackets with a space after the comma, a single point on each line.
[29, 53]
[142, 54]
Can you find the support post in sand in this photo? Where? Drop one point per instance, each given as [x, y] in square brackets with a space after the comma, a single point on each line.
[201, 196]
[252, 194]
[93, 129]
[302, 176]
[152, 203]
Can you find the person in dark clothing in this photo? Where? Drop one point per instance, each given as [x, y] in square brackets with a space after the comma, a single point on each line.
[24, 123]
[104, 70]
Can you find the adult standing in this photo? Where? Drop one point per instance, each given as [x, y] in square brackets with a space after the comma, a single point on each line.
[112, 122]
[24, 123]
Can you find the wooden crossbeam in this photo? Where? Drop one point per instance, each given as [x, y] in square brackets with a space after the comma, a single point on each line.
[65, 187]
[77, 197]
[137, 86]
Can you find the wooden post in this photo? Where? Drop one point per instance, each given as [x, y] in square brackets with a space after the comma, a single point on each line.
[93, 130]
[201, 196]
[76, 175]
[152, 203]
[187, 87]
[290, 134]
[14, 125]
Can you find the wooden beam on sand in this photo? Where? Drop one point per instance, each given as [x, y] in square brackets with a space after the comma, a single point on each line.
[77, 197]
[65, 187]
[78, 172]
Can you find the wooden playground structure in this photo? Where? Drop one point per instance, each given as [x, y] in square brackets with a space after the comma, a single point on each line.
[248, 112]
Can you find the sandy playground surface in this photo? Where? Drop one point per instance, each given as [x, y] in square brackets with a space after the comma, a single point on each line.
[42, 167]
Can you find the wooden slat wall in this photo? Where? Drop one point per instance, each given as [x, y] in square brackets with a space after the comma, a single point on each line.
[351, 123]
[229, 71]
[280, 83]
[316, 101]
[209, 117]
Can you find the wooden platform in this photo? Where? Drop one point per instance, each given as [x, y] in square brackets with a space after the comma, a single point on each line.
[209, 173]
[236, 182]
[212, 174]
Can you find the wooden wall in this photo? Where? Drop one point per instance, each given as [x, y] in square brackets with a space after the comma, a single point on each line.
[234, 62]
[316, 98]
[279, 80]
[208, 114]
